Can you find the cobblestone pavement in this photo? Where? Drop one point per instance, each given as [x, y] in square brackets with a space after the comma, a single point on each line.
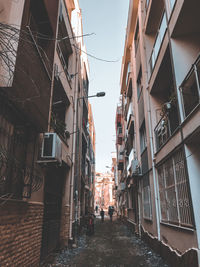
[112, 245]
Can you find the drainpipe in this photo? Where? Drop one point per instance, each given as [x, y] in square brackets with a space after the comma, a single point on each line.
[155, 182]
[75, 103]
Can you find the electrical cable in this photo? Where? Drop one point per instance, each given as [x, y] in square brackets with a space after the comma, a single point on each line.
[97, 58]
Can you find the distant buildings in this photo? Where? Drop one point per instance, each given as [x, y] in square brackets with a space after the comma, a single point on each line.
[47, 147]
[104, 185]
[158, 128]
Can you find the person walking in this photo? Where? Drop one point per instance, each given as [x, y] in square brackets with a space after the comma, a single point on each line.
[96, 208]
[110, 212]
[102, 215]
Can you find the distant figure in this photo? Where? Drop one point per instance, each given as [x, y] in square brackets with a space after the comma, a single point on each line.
[90, 223]
[96, 209]
[102, 215]
[110, 212]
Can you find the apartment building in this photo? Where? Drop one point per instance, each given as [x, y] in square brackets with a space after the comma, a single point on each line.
[43, 116]
[104, 183]
[159, 159]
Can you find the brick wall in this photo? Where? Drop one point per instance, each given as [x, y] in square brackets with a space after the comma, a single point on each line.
[20, 233]
[64, 231]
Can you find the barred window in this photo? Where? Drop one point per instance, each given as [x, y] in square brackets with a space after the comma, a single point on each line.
[19, 176]
[174, 191]
[146, 197]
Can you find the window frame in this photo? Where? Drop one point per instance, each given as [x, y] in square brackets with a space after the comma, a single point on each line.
[147, 202]
[177, 206]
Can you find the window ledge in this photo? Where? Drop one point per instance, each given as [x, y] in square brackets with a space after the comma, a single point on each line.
[183, 228]
[149, 220]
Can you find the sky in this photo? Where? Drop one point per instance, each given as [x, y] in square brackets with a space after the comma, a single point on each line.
[108, 20]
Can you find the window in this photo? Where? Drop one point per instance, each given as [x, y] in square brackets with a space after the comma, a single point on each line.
[137, 37]
[174, 191]
[39, 23]
[13, 145]
[131, 197]
[147, 4]
[158, 42]
[143, 138]
[146, 197]
[170, 5]
[190, 93]
[64, 48]
[139, 83]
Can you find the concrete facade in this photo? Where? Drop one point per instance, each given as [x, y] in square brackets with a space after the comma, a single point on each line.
[44, 79]
[158, 162]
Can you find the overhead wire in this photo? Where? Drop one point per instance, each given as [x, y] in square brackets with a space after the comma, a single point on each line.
[97, 58]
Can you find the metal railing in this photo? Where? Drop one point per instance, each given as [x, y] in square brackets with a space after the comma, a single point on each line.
[166, 126]
[58, 125]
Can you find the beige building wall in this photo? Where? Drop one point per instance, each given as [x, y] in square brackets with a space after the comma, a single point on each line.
[160, 64]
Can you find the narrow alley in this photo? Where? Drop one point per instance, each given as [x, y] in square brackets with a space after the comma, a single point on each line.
[111, 245]
[99, 112]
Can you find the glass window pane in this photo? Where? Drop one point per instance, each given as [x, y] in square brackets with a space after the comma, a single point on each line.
[163, 27]
[157, 46]
[190, 94]
[172, 2]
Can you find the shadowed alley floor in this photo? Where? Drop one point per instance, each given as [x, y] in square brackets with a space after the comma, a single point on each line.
[112, 245]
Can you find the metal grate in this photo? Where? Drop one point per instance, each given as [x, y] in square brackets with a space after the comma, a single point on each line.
[174, 191]
[18, 173]
[146, 196]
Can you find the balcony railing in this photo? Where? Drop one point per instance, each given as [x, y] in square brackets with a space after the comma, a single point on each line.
[190, 89]
[58, 125]
[158, 42]
[166, 127]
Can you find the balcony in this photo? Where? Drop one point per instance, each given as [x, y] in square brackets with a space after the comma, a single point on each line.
[60, 105]
[190, 89]
[154, 10]
[119, 131]
[119, 136]
[158, 43]
[121, 158]
[130, 158]
[166, 126]
[130, 121]
[182, 23]
[58, 125]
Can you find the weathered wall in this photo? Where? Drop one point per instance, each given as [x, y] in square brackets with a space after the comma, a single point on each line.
[20, 233]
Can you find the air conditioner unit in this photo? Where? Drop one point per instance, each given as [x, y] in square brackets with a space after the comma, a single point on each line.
[135, 167]
[51, 147]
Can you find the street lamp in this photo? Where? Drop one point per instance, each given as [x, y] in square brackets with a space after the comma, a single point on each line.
[100, 94]
[76, 130]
